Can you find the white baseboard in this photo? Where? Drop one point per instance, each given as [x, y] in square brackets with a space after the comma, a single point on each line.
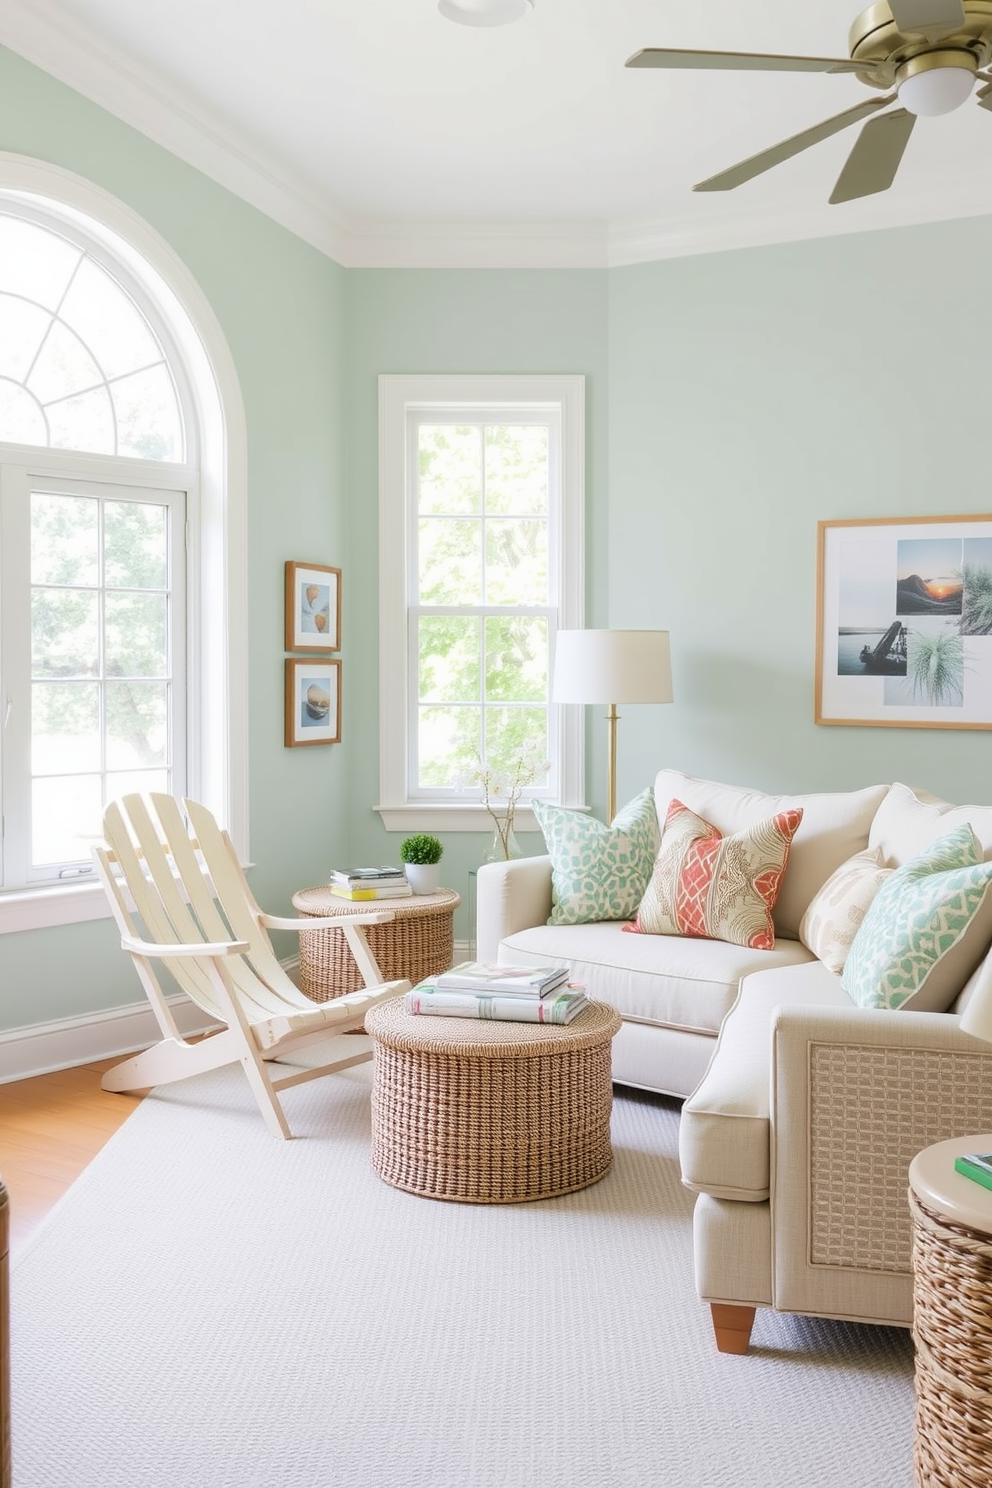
[39, 1048]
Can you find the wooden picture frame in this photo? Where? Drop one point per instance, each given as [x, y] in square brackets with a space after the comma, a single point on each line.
[313, 702]
[313, 607]
[904, 622]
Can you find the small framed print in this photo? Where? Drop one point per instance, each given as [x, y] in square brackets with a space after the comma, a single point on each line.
[313, 702]
[313, 607]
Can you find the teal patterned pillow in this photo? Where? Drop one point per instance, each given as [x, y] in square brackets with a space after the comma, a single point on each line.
[599, 872]
[907, 951]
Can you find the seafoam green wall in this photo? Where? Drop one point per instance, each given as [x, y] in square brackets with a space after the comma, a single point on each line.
[462, 320]
[733, 401]
[279, 303]
[753, 394]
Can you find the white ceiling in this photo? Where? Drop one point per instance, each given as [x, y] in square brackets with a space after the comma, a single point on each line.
[387, 135]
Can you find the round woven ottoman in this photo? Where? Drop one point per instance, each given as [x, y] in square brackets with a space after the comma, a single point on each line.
[418, 942]
[490, 1113]
[952, 1318]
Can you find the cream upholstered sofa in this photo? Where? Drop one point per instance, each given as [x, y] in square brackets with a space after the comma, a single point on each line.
[802, 1111]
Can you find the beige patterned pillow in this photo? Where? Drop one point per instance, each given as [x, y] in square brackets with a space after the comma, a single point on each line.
[715, 886]
[834, 917]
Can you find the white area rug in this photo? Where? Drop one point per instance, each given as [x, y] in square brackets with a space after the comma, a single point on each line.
[211, 1308]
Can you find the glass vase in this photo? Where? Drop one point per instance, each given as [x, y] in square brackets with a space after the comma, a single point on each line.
[504, 844]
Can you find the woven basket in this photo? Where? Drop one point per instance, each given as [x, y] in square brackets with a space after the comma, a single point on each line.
[952, 1330]
[490, 1113]
[417, 943]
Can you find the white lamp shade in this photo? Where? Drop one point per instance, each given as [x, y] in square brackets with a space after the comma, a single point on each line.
[612, 666]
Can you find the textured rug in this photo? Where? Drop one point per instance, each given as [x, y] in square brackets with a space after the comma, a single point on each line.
[211, 1308]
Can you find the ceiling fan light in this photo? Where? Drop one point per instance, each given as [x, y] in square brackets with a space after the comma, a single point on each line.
[484, 12]
[940, 90]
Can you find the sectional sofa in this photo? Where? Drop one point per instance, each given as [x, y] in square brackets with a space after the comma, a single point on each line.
[801, 1110]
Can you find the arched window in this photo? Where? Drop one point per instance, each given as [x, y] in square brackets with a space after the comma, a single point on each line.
[82, 367]
[116, 515]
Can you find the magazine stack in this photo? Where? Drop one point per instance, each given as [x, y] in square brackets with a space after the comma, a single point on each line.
[369, 883]
[514, 994]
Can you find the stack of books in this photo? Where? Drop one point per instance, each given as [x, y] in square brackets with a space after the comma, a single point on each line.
[514, 994]
[369, 883]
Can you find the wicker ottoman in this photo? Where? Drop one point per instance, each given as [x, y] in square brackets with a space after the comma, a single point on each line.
[490, 1113]
[952, 1318]
[418, 942]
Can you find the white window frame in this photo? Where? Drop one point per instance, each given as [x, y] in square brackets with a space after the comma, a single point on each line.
[217, 584]
[71, 475]
[474, 395]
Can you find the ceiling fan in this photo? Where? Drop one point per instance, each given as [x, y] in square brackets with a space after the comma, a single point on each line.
[931, 52]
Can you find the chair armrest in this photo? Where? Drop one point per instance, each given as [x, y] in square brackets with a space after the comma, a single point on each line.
[324, 922]
[196, 948]
[855, 1095]
[510, 896]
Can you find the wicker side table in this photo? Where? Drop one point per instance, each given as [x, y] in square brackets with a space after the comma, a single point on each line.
[952, 1318]
[490, 1113]
[418, 942]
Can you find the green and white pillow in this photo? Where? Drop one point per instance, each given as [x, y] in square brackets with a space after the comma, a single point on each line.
[599, 872]
[926, 929]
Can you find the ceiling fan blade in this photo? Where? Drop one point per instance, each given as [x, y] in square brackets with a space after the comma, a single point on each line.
[743, 61]
[985, 96]
[755, 164]
[872, 164]
[927, 17]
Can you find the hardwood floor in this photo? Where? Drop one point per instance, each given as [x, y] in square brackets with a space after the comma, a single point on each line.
[50, 1128]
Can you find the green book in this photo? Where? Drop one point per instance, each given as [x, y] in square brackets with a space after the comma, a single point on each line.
[977, 1166]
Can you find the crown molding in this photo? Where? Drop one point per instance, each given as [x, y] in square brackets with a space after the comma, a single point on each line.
[133, 93]
[109, 77]
[477, 243]
[648, 240]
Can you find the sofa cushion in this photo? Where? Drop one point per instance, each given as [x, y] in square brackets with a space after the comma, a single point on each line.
[725, 1130]
[834, 827]
[714, 886]
[907, 821]
[835, 915]
[672, 982]
[598, 872]
[927, 929]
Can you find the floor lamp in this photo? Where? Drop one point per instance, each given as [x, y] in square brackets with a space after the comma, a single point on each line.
[612, 666]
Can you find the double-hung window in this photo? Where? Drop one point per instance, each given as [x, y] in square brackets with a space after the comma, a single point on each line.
[481, 562]
[96, 485]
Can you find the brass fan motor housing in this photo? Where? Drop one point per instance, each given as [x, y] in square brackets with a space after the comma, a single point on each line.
[876, 40]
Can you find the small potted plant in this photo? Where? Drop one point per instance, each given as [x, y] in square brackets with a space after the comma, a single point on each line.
[420, 855]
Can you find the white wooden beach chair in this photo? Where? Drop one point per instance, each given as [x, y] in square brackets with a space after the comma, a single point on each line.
[180, 897]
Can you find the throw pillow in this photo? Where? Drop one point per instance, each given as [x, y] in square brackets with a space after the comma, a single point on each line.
[835, 914]
[721, 888]
[901, 956]
[598, 872]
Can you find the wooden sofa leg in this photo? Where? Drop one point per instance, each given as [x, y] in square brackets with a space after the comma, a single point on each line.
[732, 1326]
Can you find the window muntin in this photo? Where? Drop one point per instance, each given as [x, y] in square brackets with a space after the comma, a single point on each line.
[106, 595]
[81, 367]
[482, 618]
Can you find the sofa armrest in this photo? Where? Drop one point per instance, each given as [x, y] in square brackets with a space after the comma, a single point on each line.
[510, 896]
[855, 1094]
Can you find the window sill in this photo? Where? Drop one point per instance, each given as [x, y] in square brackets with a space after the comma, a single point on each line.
[61, 904]
[440, 816]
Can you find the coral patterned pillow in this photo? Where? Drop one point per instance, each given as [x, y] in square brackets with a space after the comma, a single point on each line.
[720, 888]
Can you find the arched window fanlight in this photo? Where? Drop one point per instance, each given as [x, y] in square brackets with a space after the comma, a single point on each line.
[81, 367]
